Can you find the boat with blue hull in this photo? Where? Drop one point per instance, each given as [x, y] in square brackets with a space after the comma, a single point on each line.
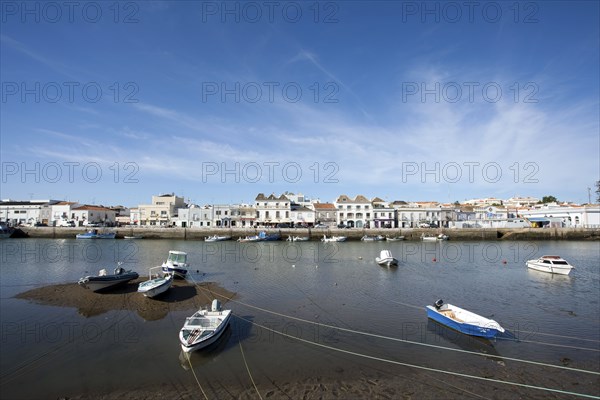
[176, 264]
[463, 321]
[94, 234]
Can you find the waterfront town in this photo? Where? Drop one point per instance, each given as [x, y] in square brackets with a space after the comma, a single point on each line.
[290, 210]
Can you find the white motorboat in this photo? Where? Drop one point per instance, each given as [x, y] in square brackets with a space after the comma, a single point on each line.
[367, 238]
[551, 264]
[463, 321]
[176, 264]
[297, 238]
[334, 239]
[103, 280]
[441, 236]
[386, 259]
[155, 285]
[133, 237]
[204, 327]
[394, 239]
[428, 238]
[216, 238]
[254, 238]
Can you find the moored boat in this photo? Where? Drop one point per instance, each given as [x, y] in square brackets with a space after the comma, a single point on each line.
[386, 259]
[176, 264]
[428, 238]
[297, 238]
[463, 321]
[155, 285]
[368, 238]
[216, 238]
[133, 237]
[551, 264]
[254, 238]
[204, 327]
[441, 236]
[334, 239]
[94, 234]
[394, 239]
[103, 280]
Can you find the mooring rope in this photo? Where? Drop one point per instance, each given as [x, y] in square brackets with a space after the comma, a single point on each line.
[410, 341]
[420, 366]
[248, 369]
[187, 355]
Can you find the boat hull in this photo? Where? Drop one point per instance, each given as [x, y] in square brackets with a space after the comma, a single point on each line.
[387, 262]
[554, 269]
[175, 271]
[208, 340]
[104, 282]
[154, 287]
[463, 327]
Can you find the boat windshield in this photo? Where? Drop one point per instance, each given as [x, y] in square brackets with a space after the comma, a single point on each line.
[561, 263]
[177, 258]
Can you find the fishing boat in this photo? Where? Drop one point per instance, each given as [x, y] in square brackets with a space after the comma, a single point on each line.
[204, 327]
[103, 280]
[551, 264]
[462, 320]
[297, 238]
[368, 238]
[394, 239]
[386, 259]
[155, 285]
[176, 264]
[216, 238]
[94, 234]
[334, 239]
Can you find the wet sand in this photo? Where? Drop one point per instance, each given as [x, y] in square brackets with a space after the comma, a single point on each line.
[182, 295]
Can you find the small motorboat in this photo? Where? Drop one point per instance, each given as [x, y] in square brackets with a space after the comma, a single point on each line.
[394, 239]
[176, 264]
[155, 285]
[216, 238]
[551, 264]
[268, 237]
[94, 234]
[334, 239]
[104, 280]
[441, 236]
[367, 238]
[463, 321]
[297, 238]
[133, 237]
[204, 327]
[254, 238]
[428, 238]
[386, 259]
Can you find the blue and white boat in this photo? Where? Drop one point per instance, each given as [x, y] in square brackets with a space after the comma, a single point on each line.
[463, 321]
[176, 264]
[204, 327]
[269, 236]
[94, 234]
[155, 285]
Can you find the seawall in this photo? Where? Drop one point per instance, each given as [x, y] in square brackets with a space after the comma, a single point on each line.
[317, 234]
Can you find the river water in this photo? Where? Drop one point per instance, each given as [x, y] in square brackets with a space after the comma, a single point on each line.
[282, 291]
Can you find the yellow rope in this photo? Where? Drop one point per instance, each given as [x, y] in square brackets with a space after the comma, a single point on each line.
[248, 369]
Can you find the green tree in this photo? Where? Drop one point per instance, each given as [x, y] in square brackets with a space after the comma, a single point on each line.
[549, 199]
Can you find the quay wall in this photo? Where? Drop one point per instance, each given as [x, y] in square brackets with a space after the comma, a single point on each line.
[317, 234]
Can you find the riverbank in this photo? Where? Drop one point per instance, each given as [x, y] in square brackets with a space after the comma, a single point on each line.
[182, 295]
[317, 234]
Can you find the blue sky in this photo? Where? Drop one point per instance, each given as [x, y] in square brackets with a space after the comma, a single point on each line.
[113, 102]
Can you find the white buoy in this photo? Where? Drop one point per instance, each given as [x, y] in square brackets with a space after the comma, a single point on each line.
[293, 265]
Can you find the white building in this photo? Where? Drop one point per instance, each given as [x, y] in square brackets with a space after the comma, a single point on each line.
[301, 215]
[354, 212]
[325, 213]
[518, 202]
[243, 215]
[424, 214]
[272, 210]
[90, 214]
[195, 217]
[384, 215]
[62, 212]
[162, 211]
[572, 216]
[26, 212]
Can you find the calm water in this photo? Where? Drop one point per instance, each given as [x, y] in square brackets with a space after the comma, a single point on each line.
[52, 351]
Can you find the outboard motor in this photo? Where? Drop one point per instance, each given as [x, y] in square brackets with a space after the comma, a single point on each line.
[216, 305]
[438, 304]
